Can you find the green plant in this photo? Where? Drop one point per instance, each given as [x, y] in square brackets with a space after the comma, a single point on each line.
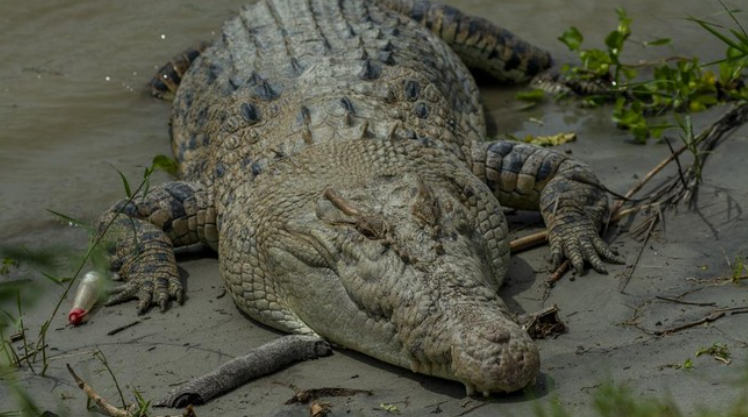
[676, 84]
[7, 265]
[739, 269]
[619, 400]
[49, 259]
[603, 64]
[717, 350]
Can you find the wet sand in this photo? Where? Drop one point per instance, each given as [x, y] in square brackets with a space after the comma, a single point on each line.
[73, 104]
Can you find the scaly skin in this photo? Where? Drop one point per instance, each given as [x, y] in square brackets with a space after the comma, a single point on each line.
[333, 154]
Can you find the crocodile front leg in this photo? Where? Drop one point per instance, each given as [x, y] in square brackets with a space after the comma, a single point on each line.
[140, 236]
[478, 42]
[565, 191]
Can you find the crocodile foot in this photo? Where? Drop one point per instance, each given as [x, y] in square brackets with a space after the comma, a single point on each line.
[148, 291]
[574, 237]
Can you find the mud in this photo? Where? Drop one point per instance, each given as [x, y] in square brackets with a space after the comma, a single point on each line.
[73, 105]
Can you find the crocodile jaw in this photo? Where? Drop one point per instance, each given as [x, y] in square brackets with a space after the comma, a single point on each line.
[420, 292]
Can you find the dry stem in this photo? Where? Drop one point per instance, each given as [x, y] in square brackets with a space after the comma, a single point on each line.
[110, 410]
[671, 194]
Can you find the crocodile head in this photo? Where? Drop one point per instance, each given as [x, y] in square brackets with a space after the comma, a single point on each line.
[405, 268]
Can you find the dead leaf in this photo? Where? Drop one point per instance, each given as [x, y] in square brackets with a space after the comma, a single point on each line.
[553, 140]
[392, 409]
[319, 409]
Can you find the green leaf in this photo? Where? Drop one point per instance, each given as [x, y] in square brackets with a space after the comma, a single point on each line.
[56, 280]
[71, 220]
[166, 164]
[572, 38]
[624, 22]
[532, 95]
[710, 27]
[614, 41]
[126, 183]
[717, 349]
[657, 42]
[630, 73]
[742, 38]
[146, 183]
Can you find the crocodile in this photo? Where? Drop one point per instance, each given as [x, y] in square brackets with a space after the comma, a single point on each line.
[334, 154]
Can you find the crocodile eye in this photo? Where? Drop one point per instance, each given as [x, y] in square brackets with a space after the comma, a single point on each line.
[372, 226]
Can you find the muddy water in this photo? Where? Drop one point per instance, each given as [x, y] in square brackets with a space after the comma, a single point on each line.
[73, 102]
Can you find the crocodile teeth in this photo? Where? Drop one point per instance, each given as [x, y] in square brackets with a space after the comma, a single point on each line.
[414, 365]
[469, 389]
[486, 394]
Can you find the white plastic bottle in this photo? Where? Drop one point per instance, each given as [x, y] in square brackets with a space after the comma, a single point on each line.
[89, 291]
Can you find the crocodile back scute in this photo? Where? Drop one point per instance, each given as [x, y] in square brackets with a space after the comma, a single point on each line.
[289, 74]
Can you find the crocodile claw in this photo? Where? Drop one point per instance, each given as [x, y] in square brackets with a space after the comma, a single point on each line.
[575, 238]
[148, 291]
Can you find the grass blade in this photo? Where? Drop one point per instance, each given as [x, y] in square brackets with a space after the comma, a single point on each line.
[166, 164]
[742, 38]
[732, 16]
[710, 27]
[126, 183]
[56, 280]
[71, 220]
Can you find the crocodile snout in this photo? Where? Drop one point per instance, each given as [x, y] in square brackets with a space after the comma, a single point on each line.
[496, 356]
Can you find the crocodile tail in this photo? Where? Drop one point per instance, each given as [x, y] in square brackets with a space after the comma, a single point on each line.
[165, 83]
[479, 43]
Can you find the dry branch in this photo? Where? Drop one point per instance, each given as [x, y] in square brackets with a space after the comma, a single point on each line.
[713, 316]
[110, 410]
[670, 193]
[260, 361]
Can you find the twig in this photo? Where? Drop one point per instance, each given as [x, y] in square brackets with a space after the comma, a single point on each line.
[26, 357]
[708, 319]
[690, 303]
[260, 361]
[539, 238]
[713, 316]
[308, 395]
[109, 409]
[625, 281]
[558, 273]
[672, 194]
[99, 354]
[100, 402]
[125, 327]
[528, 242]
[644, 63]
[471, 409]
[638, 186]
[629, 211]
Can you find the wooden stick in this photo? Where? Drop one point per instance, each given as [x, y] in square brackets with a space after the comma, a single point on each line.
[100, 402]
[539, 238]
[690, 303]
[109, 409]
[708, 139]
[259, 361]
[528, 242]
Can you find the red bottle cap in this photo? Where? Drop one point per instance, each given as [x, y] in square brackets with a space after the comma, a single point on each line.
[76, 316]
